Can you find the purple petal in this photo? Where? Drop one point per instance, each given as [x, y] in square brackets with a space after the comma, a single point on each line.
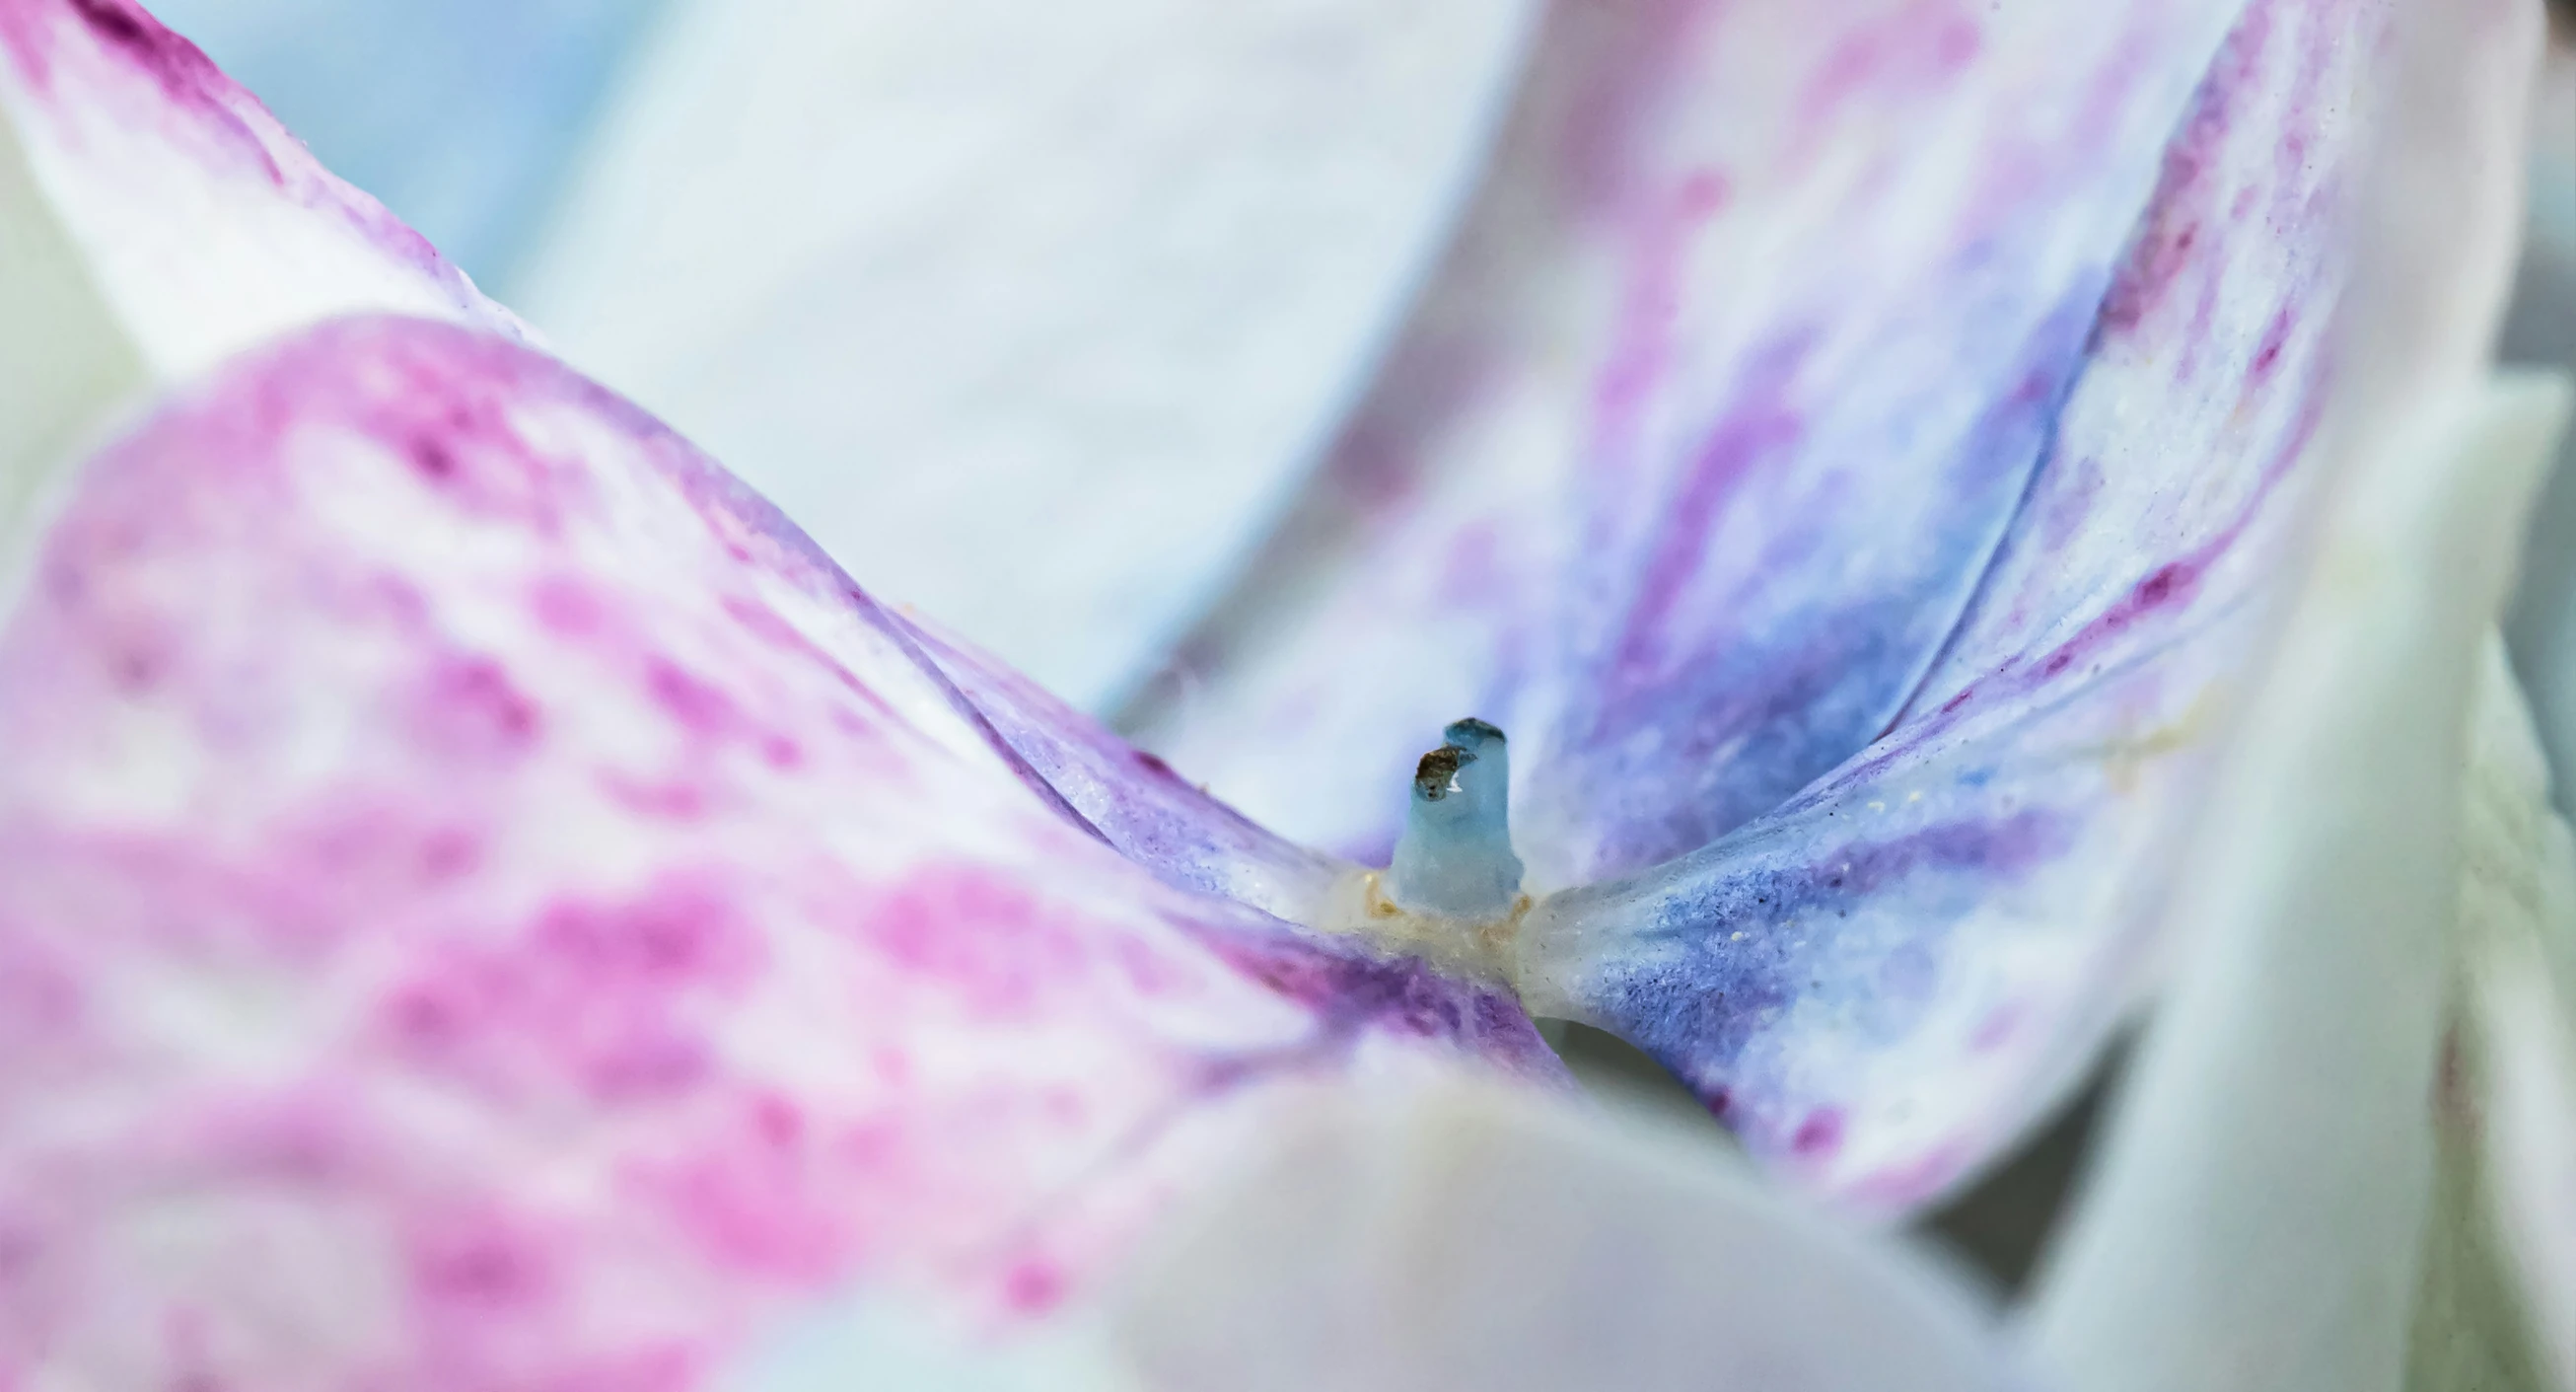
[483, 903]
[1697, 450]
[1881, 983]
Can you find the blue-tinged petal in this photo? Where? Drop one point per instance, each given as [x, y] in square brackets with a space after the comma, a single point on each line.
[154, 220]
[984, 290]
[1883, 981]
[1714, 417]
[459, 114]
[484, 903]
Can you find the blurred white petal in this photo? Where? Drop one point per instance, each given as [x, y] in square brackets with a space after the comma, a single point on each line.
[990, 288]
[2472, 1330]
[1470, 1239]
[2518, 921]
[871, 1344]
[2531, 1120]
[2254, 1223]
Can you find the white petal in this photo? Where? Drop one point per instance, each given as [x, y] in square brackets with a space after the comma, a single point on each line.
[2471, 1330]
[2254, 1222]
[1473, 1240]
[2531, 1121]
[2517, 1092]
[980, 291]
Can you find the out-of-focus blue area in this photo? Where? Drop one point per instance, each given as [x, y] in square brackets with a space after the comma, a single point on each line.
[458, 114]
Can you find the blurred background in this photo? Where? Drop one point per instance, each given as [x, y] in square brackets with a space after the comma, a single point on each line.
[981, 290]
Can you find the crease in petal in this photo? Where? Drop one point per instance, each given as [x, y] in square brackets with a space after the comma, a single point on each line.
[485, 902]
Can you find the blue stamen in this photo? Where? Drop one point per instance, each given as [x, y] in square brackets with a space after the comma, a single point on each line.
[1455, 858]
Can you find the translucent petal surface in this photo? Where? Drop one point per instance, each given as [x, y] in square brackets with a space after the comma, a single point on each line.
[459, 114]
[483, 903]
[983, 290]
[1469, 1240]
[1883, 980]
[154, 220]
[2258, 1210]
[1710, 424]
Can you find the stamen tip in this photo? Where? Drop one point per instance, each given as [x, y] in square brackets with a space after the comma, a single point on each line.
[1472, 734]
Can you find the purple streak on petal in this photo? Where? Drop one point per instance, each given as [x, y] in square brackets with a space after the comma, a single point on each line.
[502, 913]
[1133, 799]
[1931, 942]
[1698, 448]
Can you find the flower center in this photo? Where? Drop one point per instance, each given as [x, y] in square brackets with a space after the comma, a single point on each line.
[1453, 896]
[1455, 859]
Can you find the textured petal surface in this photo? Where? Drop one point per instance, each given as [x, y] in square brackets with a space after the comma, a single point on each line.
[983, 290]
[483, 903]
[1881, 982]
[2259, 1206]
[459, 114]
[1708, 428]
[1473, 1240]
[154, 220]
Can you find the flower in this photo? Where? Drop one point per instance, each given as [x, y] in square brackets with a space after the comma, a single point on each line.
[475, 867]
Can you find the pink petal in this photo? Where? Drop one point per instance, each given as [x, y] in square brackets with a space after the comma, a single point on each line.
[482, 903]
